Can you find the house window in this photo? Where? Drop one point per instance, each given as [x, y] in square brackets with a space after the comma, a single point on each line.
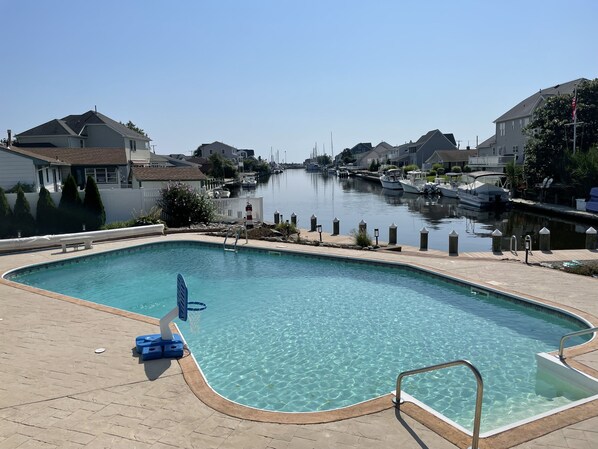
[81, 143]
[132, 145]
[501, 129]
[103, 175]
[513, 125]
[47, 176]
[412, 150]
[526, 121]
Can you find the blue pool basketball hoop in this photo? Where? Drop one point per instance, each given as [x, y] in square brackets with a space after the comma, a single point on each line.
[167, 344]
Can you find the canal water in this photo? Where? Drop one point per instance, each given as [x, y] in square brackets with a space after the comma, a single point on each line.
[352, 200]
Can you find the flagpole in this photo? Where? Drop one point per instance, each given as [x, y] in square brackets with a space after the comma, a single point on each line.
[574, 118]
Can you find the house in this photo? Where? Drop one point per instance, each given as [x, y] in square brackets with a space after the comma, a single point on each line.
[510, 139]
[49, 167]
[417, 153]
[159, 177]
[226, 151]
[25, 167]
[450, 158]
[360, 148]
[378, 154]
[89, 130]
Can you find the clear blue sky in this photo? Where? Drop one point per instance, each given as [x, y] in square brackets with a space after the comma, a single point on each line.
[284, 75]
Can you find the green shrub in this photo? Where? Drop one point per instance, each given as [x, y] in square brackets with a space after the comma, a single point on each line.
[26, 188]
[408, 168]
[70, 207]
[5, 216]
[362, 238]
[46, 217]
[182, 205]
[120, 224]
[22, 219]
[152, 217]
[93, 208]
[467, 169]
[286, 228]
[456, 169]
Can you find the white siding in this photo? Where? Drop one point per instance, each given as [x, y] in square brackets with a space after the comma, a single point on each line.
[15, 169]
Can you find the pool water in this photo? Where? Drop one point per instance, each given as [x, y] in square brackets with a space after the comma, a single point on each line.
[293, 333]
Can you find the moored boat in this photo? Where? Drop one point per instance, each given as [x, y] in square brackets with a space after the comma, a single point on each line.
[448, 186]
[416, 182]
[391, 179]
[485, 190]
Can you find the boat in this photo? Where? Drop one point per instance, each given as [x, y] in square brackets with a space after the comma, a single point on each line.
[448, 186]
[312, 166]
[391, 179]
[219, 192]
[485, 190]
[416, 182]
[248, 181]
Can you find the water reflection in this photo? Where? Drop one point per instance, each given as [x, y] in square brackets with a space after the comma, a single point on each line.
[352, 200]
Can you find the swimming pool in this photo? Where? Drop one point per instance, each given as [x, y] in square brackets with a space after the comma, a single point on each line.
[296, 334]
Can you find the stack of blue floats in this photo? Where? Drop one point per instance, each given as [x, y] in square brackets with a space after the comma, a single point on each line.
[152, 347]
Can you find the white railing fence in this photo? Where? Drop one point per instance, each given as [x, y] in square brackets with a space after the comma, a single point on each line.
[124, 204]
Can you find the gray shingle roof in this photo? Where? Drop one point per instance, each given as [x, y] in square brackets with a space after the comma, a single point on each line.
[89, 156]
[72, 125]
[28, 153]
[527, 106]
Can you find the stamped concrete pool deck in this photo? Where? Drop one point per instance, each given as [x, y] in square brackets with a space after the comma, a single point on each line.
[56, 392]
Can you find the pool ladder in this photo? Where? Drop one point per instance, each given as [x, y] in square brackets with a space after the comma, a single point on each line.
[479, 393]
[230, 232]
[591, 330]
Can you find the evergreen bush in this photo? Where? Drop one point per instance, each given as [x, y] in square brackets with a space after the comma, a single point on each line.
[70, 207]
[46, 217]
[22, 219]
[5, 216]
[93, 209]
[456, 169]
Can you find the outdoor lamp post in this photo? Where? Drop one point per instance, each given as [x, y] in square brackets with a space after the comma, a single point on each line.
[319, 229]
[376, 234]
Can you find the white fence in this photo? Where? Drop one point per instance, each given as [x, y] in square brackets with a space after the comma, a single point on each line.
[124, 204]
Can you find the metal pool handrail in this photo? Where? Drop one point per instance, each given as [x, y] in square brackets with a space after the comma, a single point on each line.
[230, 232]
[479, 392]
[591, 330]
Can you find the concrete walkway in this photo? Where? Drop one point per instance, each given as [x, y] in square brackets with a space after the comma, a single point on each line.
[56, 392]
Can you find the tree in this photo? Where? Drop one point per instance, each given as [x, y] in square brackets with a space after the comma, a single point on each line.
[134, 127]
[70, 207]
[5, 216]
[46, 216]
[324, 160]
[547, 153]
[347, 157]
[514, 174]
[23, 221]
[94, 214]
[222, 167]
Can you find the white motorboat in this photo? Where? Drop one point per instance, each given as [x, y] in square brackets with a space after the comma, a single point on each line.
[448, 186]
[219, 192]
[391, 179]
[248, 181]
[416, 182]
[484, 190]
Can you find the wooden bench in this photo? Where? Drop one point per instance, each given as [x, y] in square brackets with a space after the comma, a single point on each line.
[76, 241]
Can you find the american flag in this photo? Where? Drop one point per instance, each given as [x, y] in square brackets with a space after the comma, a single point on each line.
[574, 106]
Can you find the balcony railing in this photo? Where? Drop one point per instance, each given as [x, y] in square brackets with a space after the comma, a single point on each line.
[490, 161]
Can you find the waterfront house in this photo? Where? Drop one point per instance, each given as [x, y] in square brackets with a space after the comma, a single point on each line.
[89, 130]
[420, 151]
[508, 144]
[159, 177]
[450, 158]
[49, 167]
[233, 154]
[379, 153]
